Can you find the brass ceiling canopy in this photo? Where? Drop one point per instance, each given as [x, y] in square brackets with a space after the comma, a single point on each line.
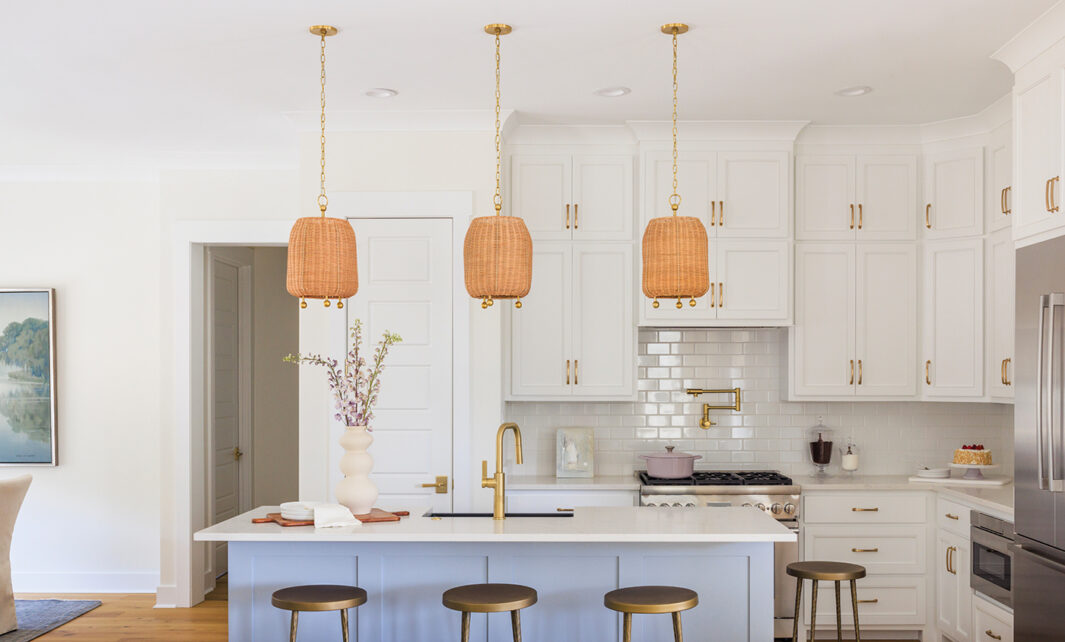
[674, 28]
[328, 30]
[498, 29]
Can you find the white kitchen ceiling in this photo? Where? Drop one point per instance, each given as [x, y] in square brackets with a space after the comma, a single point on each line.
[212, 79]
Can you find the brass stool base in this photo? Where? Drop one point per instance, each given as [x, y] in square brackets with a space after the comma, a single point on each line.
[652, 600]
[835, 572]
[490, 598]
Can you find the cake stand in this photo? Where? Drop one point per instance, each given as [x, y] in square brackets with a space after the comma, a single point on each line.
[974, 471]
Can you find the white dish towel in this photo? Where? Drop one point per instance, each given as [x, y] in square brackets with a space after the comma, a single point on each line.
[333, 516]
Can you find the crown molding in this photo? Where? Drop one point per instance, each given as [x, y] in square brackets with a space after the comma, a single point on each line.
[1042, 34]
[991, 117]
[537, 134]
[443, 120]
[720, 130]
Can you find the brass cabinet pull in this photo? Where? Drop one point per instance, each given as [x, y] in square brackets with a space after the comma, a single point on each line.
[865, 550]
[567, 216]
[713, 212]
[861, 217]
[720, 294]
[564, 510]
[927, 377]
[852, 216]
[950, 560]
[991, 634]
[1006, 372]
[575, 215]
[927, 215]
[951, 516]
[567, 372]
[713, 301]
[574, 372]
[872, 601]
[852, 373]
[1006, 209]
[721, 216]
[866, 510]
[1046, 195]
[859, 369]
[440, 485]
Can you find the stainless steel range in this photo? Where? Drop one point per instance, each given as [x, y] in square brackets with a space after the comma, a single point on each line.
[768, 491]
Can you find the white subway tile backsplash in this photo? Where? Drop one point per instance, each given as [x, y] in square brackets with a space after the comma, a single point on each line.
[893, 437]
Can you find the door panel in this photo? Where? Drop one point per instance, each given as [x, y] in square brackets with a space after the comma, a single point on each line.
[753, 193]
[887, 320]
[953, 319]
[753, 279]
[540, 332]
[954, 186]
[695, 174]
[540, 193]
[887, 196]
[602, 197]
[603, 329]
[824, 187]
[1037, 126]
[405, 287]
[1000, 278]
[823, 336]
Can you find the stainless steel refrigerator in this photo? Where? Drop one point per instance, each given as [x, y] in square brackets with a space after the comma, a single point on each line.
[1039, 421]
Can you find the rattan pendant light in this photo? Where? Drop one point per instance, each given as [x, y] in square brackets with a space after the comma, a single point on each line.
[497, 252]
[676, 256]
[321, 250]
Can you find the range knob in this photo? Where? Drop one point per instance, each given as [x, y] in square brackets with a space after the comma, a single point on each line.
[789, 508]
[747, 505]
[761, 506]
[776, 508]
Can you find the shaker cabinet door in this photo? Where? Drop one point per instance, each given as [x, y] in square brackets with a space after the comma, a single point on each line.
[822, 340]
[953, 363]
[954, 194]
[604, 332]
[825, 204]
[1000, 306]
[887, 198]
[1037, 114]
[886, 324]
[540, 333]
[753, 195]
[541, 194]
[602, 198]
[753, 279]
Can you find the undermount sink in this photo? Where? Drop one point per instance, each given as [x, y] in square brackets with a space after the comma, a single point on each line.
[559, 514]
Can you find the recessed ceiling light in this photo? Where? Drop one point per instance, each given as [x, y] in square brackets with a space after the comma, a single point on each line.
[612, 92]
[381, 92]
[850, 92]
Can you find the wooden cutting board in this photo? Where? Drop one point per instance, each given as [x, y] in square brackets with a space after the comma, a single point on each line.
[375, 515]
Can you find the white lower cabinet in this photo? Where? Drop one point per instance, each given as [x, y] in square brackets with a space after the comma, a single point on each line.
[953, 594]
[574, 336]
[562, 501]
[991, 622]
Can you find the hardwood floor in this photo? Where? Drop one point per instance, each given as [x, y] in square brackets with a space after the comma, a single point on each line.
[131, 617]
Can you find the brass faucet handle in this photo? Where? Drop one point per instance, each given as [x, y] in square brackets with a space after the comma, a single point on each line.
[486, 481]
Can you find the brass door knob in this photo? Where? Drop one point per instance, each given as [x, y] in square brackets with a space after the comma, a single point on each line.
[237, 453]
[440, 485]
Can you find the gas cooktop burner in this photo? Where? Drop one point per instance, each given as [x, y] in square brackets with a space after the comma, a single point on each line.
[712, 478]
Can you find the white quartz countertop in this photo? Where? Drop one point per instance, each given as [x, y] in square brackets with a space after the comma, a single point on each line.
[995, 498]
[616, 524]
[550, 482]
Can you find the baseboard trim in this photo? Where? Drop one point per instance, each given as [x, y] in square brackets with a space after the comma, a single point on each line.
[85, 582]
[166, 596]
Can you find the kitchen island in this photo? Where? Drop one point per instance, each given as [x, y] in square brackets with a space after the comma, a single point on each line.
[725, 554]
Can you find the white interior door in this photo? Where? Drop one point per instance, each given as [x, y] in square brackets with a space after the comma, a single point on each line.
[753, 193]
[954, 319]
[954, 187]
[887, 197]
[228, 386]
[602, 198]
[405, 287]
[825, 200]
[604, 335]
[540, 356]
[753, 279]
[540, 194]
[823, 336]
[886, 324]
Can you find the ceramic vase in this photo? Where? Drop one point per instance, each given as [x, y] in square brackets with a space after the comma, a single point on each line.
[356, 491]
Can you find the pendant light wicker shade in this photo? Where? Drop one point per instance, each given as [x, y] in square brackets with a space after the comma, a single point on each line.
[497, 254]
[676, 258]
[321, 259]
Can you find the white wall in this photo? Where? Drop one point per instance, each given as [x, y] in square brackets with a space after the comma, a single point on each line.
[275, 384]
[92, 523]
[769, 432]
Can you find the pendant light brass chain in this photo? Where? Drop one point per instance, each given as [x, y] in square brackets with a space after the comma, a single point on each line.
[323, 200]
[498, 198]
[674, 198]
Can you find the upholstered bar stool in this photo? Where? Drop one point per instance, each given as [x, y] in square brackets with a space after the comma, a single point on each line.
[651, 599]
[318, 597]
[490, 598]
[825, 572]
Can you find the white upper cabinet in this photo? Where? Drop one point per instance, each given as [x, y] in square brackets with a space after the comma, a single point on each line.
[564, 197]
[954, 194]
[869, 197]
[886, 320]
[694, 172]
[574, 336]
[1037, 193]
[822, 341]
[752, 279]
[953, 319]
[855, 331]
[753, 193]
[1000, 176]
[1000, 310]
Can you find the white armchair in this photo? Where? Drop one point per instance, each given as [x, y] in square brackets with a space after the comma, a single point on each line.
[12, 492]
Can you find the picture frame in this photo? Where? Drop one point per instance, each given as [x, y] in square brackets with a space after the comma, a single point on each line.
[28, 401]
[574, 452]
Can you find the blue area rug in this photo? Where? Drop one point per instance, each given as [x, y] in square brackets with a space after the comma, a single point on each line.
[37, 617]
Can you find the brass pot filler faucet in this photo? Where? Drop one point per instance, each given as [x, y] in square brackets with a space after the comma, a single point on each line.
[498, 481]
[705, 422]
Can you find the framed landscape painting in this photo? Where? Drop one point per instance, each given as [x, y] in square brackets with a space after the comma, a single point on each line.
[27, 378]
